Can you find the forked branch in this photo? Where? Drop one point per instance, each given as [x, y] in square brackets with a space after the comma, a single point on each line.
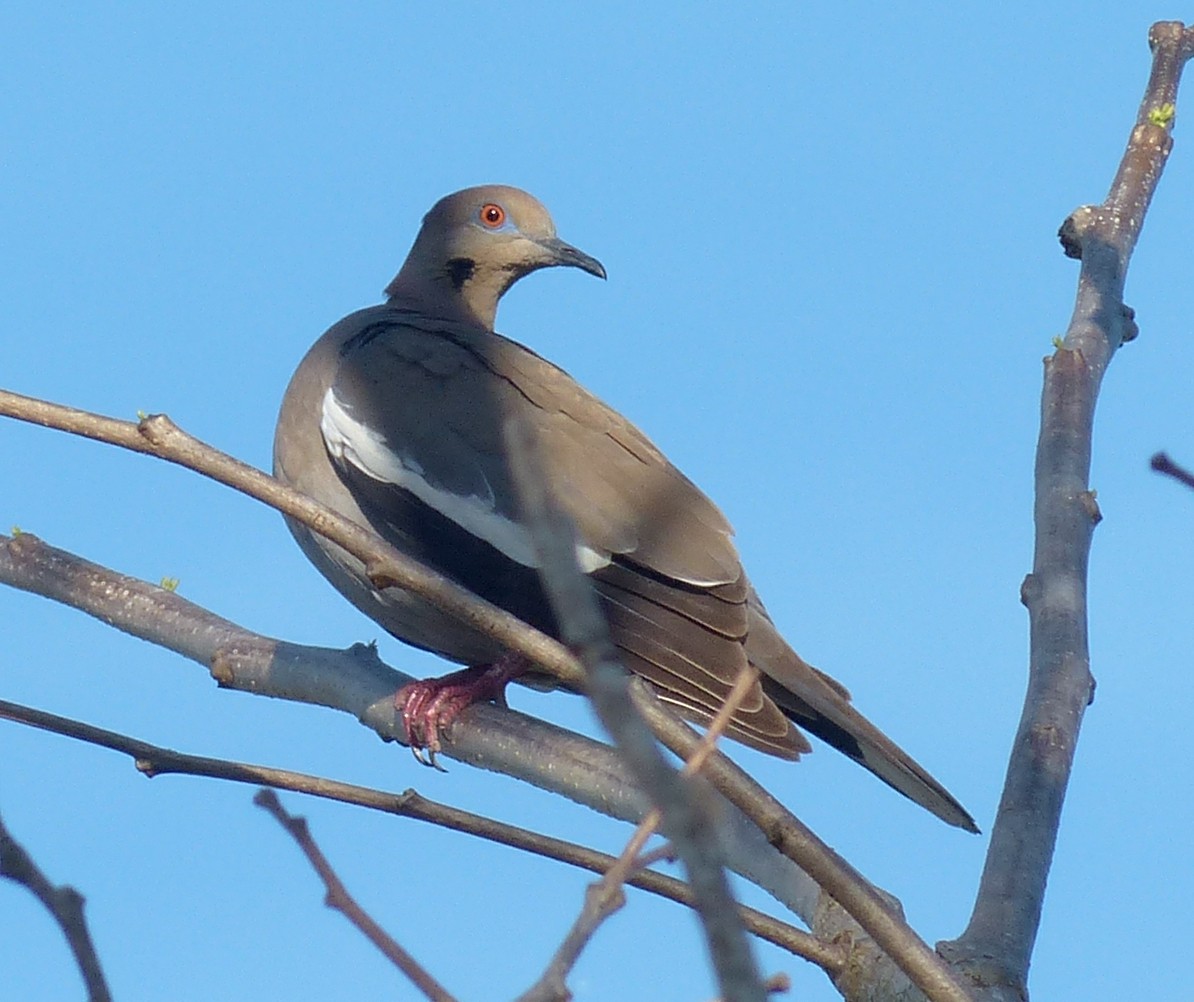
[997, 945]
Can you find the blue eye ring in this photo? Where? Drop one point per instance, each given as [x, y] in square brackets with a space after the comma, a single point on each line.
[492, 216]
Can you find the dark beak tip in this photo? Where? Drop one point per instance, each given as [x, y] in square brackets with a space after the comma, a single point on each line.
[572, 257]
[584, 262]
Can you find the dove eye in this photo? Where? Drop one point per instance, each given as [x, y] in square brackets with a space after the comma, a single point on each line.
[492, 215]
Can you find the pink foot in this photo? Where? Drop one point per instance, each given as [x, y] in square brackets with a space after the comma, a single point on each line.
[429, 705]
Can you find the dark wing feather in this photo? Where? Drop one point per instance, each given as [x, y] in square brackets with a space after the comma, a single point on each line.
[679, 606]
[673, 590]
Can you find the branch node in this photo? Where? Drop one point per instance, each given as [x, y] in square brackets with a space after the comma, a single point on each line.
[222, 668]
[1030, 590]
[1162, 115]
[1075, 229]
[23, 544]
[778, 984]
[155, 428]
[1131, 330]
[1089, 500]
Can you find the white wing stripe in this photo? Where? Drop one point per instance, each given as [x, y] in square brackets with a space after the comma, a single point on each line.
[350, 441]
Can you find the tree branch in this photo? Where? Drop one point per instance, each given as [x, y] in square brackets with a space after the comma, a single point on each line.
[605, 897]
[343, 902]
[64, 903]
[158, 436]
[1164, 465]
[688, 818]
[154, 760]
[878, 914]
[357, 682]
[997, 945]
[583, 627]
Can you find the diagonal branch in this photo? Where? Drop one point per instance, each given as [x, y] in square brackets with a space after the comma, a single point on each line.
[486, 736]
[64, 903]
[158, 436]
[631, 718]
[1163, 464]
[689, 818]
[605, 897]
[997, 945]
[878, 914]
[154, 760]
[343, 902]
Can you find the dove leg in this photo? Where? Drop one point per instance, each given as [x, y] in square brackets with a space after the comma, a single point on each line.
[428, 706]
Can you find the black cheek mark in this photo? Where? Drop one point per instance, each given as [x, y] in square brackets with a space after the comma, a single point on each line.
[460, 270]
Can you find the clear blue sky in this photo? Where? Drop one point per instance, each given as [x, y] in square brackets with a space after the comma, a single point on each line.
[829, 231]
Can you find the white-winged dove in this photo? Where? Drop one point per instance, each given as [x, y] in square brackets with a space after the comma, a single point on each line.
[393, 419]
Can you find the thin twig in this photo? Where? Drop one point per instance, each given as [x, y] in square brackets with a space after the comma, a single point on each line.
[997, 945]
[343, 902]
[154, 760]
[605, 897]
[748, 677]
[64, 903]
[1163, 464]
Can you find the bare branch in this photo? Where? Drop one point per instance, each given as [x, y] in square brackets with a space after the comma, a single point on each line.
[997, 945]
[154, 760]
[1163, 464]
[879, 915]
[357, 682]
[343, 902]
[583, 627]
[64, 903]
[158, 436]
[605, 897]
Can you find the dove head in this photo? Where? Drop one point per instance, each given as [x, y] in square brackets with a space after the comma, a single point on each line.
[473, 246]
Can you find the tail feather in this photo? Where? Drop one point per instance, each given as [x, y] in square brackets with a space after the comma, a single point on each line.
[857, 738]
[818, 706]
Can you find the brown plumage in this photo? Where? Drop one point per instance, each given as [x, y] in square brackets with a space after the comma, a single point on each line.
[393, 418]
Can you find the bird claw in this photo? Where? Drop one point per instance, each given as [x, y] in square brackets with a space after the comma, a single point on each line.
[428, 759]
[429, 706]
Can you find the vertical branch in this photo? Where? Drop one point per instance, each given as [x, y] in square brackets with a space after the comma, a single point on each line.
[688, 821]
[997, 945]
